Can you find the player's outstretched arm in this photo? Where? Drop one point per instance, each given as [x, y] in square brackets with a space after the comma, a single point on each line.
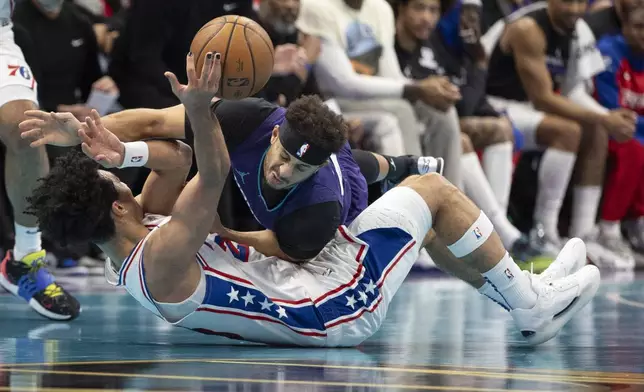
[60, 129]
[168, 160]
[194, 213]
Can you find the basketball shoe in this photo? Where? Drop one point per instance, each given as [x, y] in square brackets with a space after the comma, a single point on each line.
[561, 293]
[29, 279]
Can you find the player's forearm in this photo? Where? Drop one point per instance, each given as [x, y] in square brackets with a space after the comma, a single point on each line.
[139, 124]
[211, 153]
[168, 156]
[264, 241]
[564, 107]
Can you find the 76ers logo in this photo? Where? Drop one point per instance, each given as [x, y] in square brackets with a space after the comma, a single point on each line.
[303, 149]
[19, 69]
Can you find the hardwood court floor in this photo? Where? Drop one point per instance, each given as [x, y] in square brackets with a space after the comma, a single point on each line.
[439, 335]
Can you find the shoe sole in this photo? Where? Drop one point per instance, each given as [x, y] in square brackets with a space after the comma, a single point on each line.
[13, 289]
[591, 275]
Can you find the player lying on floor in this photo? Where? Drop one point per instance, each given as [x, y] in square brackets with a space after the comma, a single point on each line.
[193, 279]
[294, 166]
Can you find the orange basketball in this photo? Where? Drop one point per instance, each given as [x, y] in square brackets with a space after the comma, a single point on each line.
[246, 54]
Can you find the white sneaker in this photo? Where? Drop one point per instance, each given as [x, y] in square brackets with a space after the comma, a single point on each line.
[602, 256]
[570, 260]
[617, 249]
[557, 303]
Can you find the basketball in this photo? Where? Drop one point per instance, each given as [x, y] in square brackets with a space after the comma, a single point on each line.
[246, 54]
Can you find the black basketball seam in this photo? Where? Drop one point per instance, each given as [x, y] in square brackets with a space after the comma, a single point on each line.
[212, 36]
[252, 59]
[223, 65]
[268, 44]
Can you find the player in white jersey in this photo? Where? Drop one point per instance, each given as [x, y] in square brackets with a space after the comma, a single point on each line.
[22, 271]
[176, 269]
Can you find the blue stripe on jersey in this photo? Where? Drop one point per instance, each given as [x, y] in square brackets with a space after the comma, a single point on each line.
[386, 246]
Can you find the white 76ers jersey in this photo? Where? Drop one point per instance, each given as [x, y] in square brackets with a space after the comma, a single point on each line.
[337, 299]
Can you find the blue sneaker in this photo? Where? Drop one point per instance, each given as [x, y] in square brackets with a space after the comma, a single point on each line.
[29, 279]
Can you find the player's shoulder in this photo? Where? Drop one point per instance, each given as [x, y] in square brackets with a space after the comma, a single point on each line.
[527, 34]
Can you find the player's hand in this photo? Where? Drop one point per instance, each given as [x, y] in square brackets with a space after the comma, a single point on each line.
[285, 59]
[439, 92]
[620, 124]
[55, 129]
[200, 90]
[99, 143]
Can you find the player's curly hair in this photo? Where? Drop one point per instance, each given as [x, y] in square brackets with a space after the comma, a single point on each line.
[310, 117]
[73, 203]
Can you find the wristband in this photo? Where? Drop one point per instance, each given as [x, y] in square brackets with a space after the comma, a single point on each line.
[136, 154]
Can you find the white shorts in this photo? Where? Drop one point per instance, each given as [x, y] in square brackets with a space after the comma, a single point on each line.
[16, 79]
[524, 117]
[338, 299]
[354, 295]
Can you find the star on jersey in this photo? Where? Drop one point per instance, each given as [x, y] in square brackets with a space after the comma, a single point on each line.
[369, 287]
[248, 298]
[233, 295]
[281, 312]
[266, 304]
[351, 301]
[363, 297]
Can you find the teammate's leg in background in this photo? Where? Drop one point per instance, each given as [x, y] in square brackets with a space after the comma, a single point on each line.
[619, 195]
[494, 137]
[539, 309]
[23, 167]
[526, 249]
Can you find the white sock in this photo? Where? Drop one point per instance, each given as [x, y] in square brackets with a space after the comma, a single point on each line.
[584, 209]
[512, 284]
[488, 290]
[497, 165]
[554, 175]
[610, 228]
[478, 189]
[27, 241]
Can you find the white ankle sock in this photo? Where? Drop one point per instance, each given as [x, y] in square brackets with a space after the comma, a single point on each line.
[610, 228]
[488, 290]
[478, 189]
[27, 241]
[584, 209]
[512, 284]
[554, 175]
[497, 165]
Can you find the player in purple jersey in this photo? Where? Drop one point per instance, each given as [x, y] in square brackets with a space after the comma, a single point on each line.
[293, 166]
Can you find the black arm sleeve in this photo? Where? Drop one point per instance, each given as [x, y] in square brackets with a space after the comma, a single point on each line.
[304, 233]
[238, 119]
[472, 92]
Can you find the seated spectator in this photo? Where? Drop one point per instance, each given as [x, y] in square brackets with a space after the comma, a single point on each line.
[422, 53]
[278, 19]
[540, 58]
[621, 85]
[67, 55]
[155, 39]
[295, 56]
[358, 67]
